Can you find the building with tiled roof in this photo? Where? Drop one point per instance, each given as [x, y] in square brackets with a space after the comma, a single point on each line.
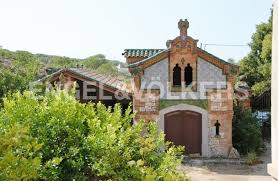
[92, 86]
[187, 91]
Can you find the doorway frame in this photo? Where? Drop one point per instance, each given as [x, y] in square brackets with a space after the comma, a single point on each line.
[187, 107]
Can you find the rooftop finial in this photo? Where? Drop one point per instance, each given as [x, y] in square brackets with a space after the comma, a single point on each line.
[183, 26]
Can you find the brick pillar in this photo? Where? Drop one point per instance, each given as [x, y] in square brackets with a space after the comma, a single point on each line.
[273, 167]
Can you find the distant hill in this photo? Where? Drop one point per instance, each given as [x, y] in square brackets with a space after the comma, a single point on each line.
[51, 63]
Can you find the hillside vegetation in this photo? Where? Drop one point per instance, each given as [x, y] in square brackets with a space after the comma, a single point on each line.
[19, 68]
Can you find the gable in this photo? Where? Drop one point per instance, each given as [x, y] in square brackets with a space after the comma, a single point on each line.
[182, 47]
[210, 74]
[182, 71]
[156, 76]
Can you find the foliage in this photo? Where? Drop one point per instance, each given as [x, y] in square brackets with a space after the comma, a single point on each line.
[23, 67]
[256, 66]
[108, 68]
[19, 153]
[77, 141]
[6, 54]
[247, 135]
[94, 62]
[62, 62]
[19, 73]
[251, 158]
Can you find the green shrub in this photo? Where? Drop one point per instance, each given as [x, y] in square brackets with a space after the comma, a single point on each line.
[247, 135]
[19, 153]
[251, 158]
[74, 141]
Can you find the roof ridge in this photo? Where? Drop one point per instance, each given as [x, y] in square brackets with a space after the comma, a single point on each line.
[224, 61]
[89, 75]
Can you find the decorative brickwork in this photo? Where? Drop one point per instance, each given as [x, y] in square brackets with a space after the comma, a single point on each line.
[183, 53]
[216, 107]
[146, 105]
[220, 108]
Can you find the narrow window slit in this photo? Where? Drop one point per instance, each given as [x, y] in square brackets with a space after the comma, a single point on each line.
[217, 127]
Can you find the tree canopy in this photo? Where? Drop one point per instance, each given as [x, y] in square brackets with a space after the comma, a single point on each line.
[256, 66]
[55, 137]
[18, 69]
[21, 68]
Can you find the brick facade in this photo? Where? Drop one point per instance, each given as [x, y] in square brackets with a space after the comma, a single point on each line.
[183, 50]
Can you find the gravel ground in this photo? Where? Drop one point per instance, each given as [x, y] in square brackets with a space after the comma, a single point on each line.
[225, 171]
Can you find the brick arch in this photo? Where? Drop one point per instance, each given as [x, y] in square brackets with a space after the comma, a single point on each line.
[187, 107]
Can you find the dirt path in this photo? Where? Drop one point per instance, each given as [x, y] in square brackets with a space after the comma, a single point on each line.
[233, 172]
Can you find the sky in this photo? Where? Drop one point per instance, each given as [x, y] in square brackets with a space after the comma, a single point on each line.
[82, 28]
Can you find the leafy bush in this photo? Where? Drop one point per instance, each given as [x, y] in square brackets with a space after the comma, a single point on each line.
[16, 76]
[19, 153]
[247, 135]
[67, 140]
[251, 158]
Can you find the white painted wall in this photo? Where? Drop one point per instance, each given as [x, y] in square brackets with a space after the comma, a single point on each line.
[156, 76]
[207, 72]
[273, 168]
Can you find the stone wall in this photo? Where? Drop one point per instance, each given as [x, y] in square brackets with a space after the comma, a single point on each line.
[154, 82]
[154, 85]
[220, 108]
[146, 105]
[183, 52]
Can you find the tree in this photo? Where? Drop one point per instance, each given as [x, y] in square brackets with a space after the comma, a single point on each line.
[62, 62]
[256, 66]
[23, 69]
[77, 141]
[94, 62]
[108, 69]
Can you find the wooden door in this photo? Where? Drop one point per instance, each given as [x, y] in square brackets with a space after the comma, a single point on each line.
[184, 128]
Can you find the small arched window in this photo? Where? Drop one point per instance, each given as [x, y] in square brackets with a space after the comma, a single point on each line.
[177, 75]
[188, 75]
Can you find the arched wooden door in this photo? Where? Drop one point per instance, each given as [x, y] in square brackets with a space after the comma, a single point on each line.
[184, 128]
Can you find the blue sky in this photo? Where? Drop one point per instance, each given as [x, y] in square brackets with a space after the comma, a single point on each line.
[81, 28]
